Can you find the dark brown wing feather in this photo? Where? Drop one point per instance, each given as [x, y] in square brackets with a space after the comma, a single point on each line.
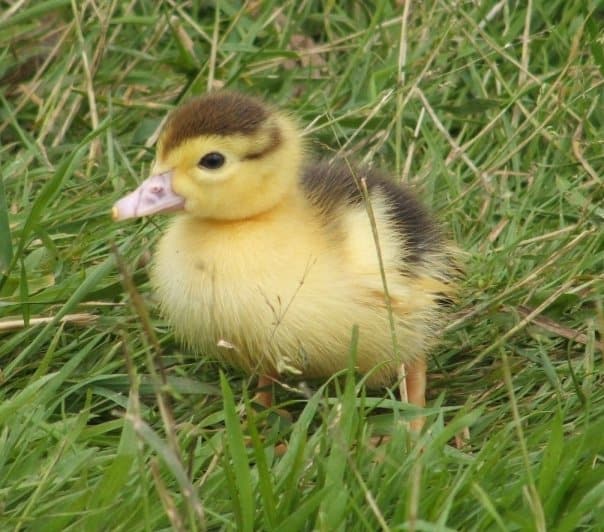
[331, 185]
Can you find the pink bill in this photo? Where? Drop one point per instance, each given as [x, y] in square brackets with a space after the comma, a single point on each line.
[154, 195]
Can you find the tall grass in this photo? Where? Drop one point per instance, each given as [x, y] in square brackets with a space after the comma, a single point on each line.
[493, 111]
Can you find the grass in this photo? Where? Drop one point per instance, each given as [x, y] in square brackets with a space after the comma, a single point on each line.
[493, 111]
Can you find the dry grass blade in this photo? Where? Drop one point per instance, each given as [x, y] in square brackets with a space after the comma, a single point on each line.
[552, 326]
[15, 324]
[456, 148]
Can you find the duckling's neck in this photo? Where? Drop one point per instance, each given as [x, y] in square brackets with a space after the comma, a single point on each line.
[279, 229]
[291, 203]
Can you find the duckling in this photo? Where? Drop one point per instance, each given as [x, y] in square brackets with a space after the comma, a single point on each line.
[271, 259]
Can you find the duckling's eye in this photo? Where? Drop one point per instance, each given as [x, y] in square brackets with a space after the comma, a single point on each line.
[212, 160]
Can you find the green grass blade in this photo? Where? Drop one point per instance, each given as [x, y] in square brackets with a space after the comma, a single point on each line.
[238, 454]
[90, 282]
[6, 244]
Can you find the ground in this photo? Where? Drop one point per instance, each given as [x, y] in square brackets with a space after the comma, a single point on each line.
[492, 111]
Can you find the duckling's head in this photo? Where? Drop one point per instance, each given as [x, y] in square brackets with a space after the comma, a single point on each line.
[222, 156]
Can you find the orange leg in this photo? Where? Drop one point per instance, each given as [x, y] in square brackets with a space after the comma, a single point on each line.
[264, 395]
[413, 389]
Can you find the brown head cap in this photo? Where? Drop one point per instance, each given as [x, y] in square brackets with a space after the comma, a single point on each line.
[216, 113]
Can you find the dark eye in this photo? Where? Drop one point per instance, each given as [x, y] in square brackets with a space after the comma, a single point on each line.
[212, 160]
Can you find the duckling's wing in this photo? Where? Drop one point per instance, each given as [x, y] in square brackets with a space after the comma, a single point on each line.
[333, 186]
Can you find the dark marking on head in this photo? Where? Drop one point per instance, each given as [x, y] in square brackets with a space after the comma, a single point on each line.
[216, 113]
[273, 143]
[333, 185]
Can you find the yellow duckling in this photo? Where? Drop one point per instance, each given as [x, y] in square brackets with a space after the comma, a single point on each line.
[272, 259]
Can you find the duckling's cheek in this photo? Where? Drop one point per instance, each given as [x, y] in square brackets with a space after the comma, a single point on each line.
[184, 185]
[187, 187]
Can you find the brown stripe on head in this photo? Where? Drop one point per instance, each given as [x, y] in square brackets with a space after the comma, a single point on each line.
[216, 113]
[271, 142]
